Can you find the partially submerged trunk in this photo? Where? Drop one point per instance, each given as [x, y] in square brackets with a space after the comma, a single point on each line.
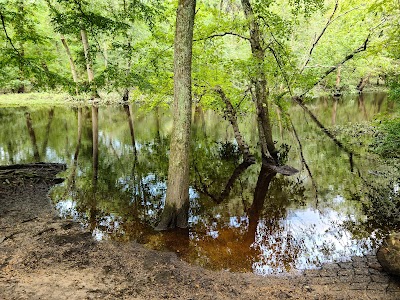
[176, 209]
[363, 82]
[338, 92]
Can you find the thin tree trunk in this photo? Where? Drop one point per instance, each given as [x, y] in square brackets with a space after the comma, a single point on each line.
[334, 110]
[260, 84]
[71, 63]
[337, 92]
[176, 209]
[363, 82]
[131, 129]
[89, 67]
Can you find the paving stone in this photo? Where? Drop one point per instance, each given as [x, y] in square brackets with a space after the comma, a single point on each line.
[359, 264]
[371, 258]
[359, 286]
[380, 278]
[345, 279]
[323, 281]
[312, 273]
[361, 271]
[356, 259]
[376, 286]
[376, 272]
[361, 278]
[346, 265]
[329, 273]
[345, 272]
[375, 265]
[333, 266]
[394, 286]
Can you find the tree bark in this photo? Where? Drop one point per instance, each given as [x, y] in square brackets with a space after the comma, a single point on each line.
[71, 63]
[176, 209]
[89, 67]
[260, 84]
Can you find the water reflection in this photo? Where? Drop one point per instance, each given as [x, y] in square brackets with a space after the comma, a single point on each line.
[243, 217]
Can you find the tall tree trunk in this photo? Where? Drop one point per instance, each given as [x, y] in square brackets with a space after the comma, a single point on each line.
[337, 91]
[260, 84]
[131, 129]
[71, 63]
[176, 210]
[88, 58]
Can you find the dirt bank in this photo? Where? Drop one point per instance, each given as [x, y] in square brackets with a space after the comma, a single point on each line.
[45, 257]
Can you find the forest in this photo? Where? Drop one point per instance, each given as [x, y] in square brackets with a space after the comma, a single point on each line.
[265, 133]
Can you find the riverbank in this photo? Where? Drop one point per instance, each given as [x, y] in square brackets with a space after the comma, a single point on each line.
[45, 257]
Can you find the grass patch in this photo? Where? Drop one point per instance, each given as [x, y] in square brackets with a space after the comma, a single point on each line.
[36, 99]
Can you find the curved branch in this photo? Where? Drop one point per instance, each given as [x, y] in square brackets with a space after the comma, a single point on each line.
[362, 48]
[330, 20]
[6, 33]
[220, 35]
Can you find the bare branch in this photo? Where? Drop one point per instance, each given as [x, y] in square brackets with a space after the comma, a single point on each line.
[220, 35]
[362, 48]
[6, 33]
[330, 20]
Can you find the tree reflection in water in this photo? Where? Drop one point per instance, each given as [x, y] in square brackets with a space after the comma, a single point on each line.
[243, 217]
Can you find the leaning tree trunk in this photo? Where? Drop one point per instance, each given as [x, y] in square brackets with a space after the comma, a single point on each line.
[230, 114]
[71, 63]
[175, 213]
[260, 84]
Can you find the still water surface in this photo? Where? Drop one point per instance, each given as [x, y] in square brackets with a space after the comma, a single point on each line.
[241, 217]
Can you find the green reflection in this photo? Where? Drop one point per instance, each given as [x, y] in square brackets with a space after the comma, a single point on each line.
[242, 217]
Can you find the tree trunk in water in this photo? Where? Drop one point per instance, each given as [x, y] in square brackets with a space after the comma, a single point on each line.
[334, 110]
[337, 91]
[176, 209]
[260, 84]
[131, 129]
[363, 82]
[71, 63]
[89, 67]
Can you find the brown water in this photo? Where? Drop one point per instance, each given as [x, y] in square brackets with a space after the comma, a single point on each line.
[116, 181]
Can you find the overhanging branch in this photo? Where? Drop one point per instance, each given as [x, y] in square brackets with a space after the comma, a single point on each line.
[362, 48]
[3, 23]
[221, 35]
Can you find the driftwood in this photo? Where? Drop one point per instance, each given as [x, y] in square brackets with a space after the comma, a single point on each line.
[273, 167]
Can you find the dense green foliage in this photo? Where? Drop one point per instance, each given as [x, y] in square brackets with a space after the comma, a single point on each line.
[131, 45]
